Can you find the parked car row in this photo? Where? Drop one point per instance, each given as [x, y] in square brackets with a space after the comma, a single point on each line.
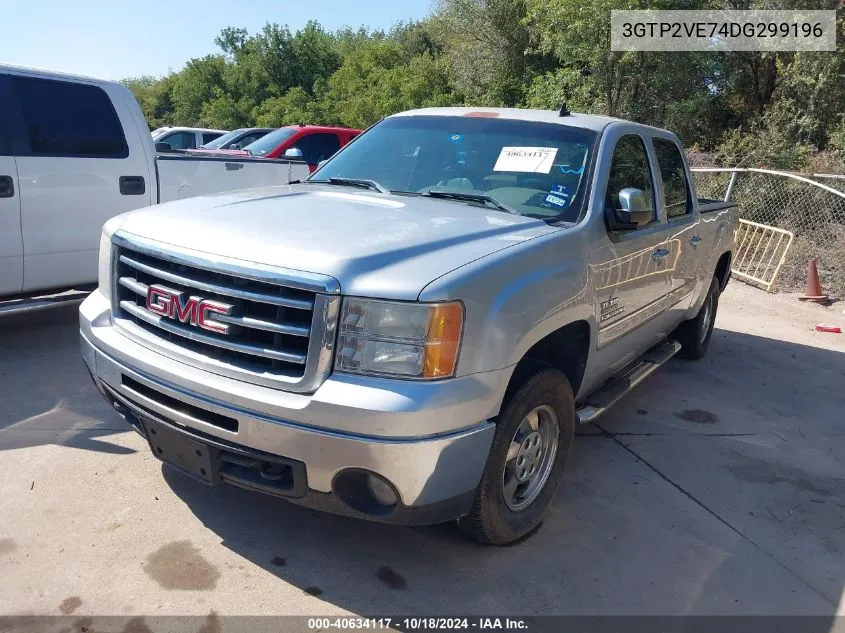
[170, 138]
[313, 143]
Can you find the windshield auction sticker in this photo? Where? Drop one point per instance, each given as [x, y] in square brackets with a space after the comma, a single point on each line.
[723, 30]
[538, 160]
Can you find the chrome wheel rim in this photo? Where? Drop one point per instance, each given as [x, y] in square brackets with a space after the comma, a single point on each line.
[530, 457]
[708, 308]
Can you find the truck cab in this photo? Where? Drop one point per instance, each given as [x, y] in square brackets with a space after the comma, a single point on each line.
[412, 334]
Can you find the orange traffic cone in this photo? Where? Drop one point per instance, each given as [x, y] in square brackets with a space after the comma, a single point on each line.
[813, 289]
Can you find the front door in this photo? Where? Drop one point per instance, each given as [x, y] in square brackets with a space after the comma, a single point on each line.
[632, 270]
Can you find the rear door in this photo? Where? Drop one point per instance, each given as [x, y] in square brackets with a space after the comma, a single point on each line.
[631, 271]
[675, 203]
[80, 162]
[11, 247]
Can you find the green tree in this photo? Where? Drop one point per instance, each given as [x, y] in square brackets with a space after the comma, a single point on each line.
[486, 43]
[375, 81]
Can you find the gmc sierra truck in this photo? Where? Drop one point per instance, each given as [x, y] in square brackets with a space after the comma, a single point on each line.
[413, 333]
[74, 152]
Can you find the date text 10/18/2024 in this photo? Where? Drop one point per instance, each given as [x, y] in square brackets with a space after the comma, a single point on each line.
[419, 624]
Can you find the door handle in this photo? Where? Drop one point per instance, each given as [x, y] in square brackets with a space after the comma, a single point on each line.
[659, 254]
[7, 187]
[132, 185]
[695, 240]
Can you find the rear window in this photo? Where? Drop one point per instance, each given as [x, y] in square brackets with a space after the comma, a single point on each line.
[68, 119]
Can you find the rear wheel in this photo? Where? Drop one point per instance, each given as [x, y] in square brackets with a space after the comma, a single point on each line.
[694, 335]
[527, 460]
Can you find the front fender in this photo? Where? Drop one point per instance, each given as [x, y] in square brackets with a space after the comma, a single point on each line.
[516, 297]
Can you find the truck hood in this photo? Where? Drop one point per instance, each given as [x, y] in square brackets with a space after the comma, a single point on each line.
[375, 245]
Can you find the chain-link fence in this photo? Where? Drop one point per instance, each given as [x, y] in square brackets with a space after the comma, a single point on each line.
[813, 208]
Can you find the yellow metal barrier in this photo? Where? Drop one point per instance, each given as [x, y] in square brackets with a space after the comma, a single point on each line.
[761, 251]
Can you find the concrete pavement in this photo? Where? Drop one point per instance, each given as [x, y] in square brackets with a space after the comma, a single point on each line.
[717, 487]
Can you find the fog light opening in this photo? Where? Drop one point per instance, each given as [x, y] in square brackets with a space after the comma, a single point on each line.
[381, 490]
[366, 492]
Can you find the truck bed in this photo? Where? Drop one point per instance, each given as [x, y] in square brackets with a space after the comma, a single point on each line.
[709, 205]
[184, 175]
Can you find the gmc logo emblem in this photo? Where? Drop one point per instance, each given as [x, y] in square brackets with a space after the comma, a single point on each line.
[197, 311]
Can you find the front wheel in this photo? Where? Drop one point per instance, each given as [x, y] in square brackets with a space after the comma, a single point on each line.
[694, 335]
[527, 460]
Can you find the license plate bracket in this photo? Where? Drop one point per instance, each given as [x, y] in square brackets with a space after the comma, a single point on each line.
[191, 457]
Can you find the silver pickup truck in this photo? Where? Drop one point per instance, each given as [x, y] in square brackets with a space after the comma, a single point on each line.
[412, 334]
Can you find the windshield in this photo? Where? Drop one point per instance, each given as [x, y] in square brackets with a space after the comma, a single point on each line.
[220, 141]
[538, 169]
[271, 141]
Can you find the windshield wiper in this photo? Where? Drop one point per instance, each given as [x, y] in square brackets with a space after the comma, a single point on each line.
[354, 182]
[471, 197]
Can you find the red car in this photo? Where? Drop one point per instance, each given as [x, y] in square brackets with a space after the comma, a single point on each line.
[315, 142]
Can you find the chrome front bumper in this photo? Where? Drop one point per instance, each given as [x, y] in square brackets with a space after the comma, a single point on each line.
[429, 440]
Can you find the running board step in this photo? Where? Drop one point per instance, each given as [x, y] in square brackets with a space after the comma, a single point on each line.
[45, 302]
[601, 400]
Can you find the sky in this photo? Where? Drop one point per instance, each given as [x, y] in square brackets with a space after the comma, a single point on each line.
[114, 39]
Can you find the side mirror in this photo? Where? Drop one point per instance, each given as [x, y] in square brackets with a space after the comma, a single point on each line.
[634, 212]
[293, 152]
[163, 147]
[234, 146]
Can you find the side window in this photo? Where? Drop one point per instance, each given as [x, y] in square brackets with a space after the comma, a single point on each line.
[180, 140]
[629, 169]
[317, 147]
[676, 189]
[207, 137]
[68, 119]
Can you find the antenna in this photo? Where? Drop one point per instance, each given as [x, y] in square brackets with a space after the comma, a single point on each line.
[563, 110]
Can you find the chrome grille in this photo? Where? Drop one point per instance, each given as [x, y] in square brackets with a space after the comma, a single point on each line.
[275, 330]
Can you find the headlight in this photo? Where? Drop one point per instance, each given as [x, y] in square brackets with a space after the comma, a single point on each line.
[104, 266]
[415, 340]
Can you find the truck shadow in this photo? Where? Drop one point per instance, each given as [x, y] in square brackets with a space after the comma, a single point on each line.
[665, 510]
[45, 390]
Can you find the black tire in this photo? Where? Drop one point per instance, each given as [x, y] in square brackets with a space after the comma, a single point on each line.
[491, 520]
[694, 335]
